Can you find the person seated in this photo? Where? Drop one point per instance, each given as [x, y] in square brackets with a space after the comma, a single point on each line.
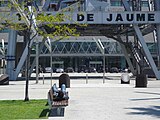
[59, 95]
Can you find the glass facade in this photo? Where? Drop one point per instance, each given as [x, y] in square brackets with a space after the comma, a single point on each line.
[152, 48]
[4, 3]
[144, 3]
[82, 47]
[84, 52]
[76, 54]
[4, 31]
[116, 3]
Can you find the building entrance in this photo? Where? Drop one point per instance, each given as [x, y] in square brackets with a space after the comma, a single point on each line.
[95, 64]
[58, 64]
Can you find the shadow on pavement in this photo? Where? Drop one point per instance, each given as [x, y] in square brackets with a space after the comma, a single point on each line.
[151, 98]
[145, 99]
[151, 111]
[153, 93]
[54, 112]
[57, 112]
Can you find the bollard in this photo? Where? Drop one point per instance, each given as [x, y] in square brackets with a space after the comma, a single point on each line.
[64, 79]
[125, 78]
[141, 80]
[86, 78]
[43, 79]
[103, 77]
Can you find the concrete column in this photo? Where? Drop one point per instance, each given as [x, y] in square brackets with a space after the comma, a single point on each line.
[10, 57]
[157, 8]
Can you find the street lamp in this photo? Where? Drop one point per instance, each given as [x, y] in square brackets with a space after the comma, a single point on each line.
[49, 46]
[102, 49]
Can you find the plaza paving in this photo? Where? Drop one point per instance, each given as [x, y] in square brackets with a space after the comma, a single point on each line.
[95, 100]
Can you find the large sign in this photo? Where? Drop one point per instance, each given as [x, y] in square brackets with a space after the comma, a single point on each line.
[115, 17]
[123, 17]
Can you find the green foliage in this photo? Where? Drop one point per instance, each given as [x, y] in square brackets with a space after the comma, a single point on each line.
[48, 25]
[54, 26]
[18, 109]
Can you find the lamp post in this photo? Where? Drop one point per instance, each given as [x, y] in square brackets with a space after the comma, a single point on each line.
[49, 46]
[101, 48]
[103, 53]
[51, 67]
[37, 60]
[104, 67]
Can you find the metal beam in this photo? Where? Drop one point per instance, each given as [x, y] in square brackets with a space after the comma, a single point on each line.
[99, 44]
[28, 23]
[157, 8]
[144, 45]
[127, 58]
[147, 52]
[102, 49]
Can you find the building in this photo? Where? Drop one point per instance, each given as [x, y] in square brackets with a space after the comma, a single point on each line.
[78, 52]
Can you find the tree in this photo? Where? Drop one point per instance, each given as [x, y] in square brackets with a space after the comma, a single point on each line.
[33, 23]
